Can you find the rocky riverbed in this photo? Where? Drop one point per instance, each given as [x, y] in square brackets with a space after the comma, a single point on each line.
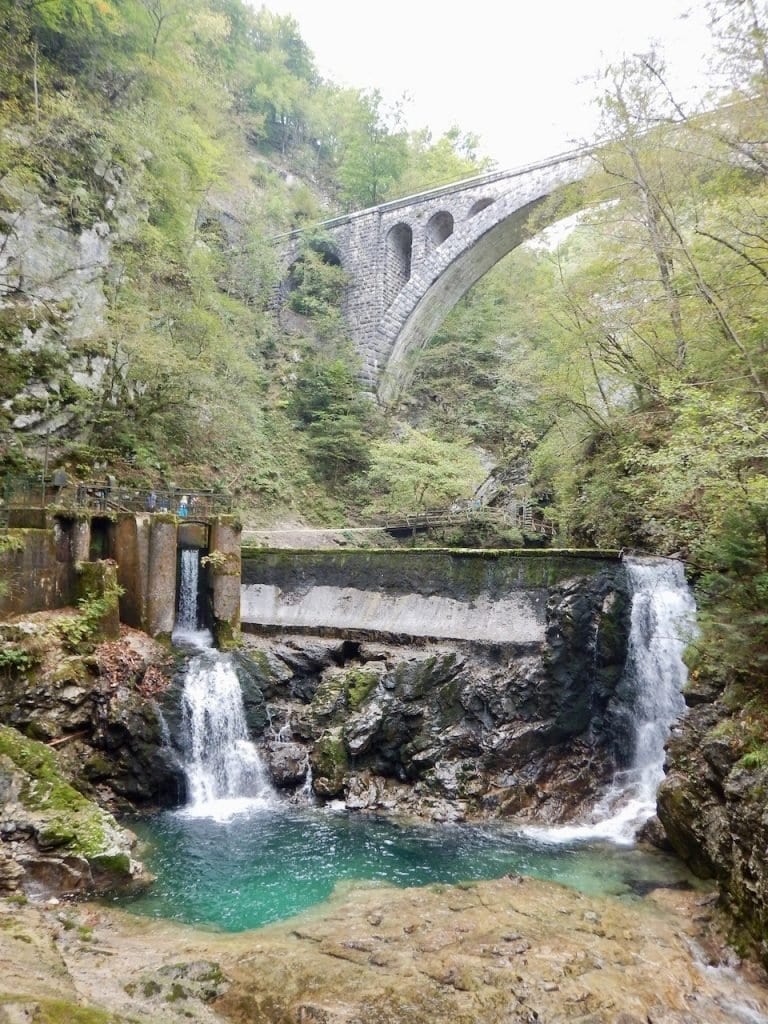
[443, 731]
[512, 950]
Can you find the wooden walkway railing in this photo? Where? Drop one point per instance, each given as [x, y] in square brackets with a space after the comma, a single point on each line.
[525, 519]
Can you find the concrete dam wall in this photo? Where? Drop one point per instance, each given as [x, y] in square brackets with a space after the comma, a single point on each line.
[487, 596]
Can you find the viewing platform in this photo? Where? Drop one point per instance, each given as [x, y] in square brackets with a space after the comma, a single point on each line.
[58, 490]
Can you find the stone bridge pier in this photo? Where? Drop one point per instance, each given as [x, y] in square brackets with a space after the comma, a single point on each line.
[409, 261]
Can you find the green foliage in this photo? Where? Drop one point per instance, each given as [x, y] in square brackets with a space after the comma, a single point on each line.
[452, 157]
[755, 759]
[417, 471]
[336, 418]
[15, 660]
[317, 280]
[10, 542]
[375, 153]
[82, 631]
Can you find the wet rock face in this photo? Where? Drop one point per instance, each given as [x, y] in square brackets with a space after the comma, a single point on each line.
[287, 764]
[101, 711]
[712, 805]
[453, 728]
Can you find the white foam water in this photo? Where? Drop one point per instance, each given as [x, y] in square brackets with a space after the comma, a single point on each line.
[662, 621]
[187, 612]
[225, 775]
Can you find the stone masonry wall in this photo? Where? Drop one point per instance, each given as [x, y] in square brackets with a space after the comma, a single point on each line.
[489, 216]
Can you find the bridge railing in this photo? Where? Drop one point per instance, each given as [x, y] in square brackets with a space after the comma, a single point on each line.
[98, 496]
[524, 518]
[433, 193]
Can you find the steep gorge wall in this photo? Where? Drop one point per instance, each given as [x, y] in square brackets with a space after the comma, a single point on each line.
[712, 802]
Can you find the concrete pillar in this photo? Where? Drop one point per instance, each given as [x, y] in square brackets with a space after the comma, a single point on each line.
[98, 581]
[131, 551]
[161, 589]
[81, 540]
[224, 566]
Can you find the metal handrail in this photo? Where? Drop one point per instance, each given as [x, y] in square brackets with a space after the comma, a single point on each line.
[103, 496]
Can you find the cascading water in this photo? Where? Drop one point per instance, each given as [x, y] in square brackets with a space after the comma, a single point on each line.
[186, 616]
[223, 768]
[662, 620]
[187, 631]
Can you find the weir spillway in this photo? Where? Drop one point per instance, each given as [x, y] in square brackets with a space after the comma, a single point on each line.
[435, 594]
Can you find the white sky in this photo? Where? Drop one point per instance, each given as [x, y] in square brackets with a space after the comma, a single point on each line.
[513, 72]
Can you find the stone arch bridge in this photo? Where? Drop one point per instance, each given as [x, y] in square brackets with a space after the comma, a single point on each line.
[409, 261]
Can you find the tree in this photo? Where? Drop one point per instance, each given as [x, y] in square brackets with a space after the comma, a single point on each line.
[161, 14]
[431, 163]
[375, 153]
[417, 471]
[337, 419]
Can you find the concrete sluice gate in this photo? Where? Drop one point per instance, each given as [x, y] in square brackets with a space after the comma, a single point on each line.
[148, 552]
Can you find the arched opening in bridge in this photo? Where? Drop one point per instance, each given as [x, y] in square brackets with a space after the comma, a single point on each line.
[448, 274]
[481, 204]
[439, 227]
[398, 265]
[326, 250]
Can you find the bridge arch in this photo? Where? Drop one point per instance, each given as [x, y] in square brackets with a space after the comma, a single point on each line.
[424, 302]
[397, 272]
[445, 276]
[479, 206]
[410, 261]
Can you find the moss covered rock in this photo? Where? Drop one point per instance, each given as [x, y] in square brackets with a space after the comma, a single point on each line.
[329, 764]
[57, 833]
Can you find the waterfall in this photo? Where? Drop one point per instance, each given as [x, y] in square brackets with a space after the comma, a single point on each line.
[224, 772]
[223, 768]
[662, 619]
[186, 615]
[663, 612]
[307, 793]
